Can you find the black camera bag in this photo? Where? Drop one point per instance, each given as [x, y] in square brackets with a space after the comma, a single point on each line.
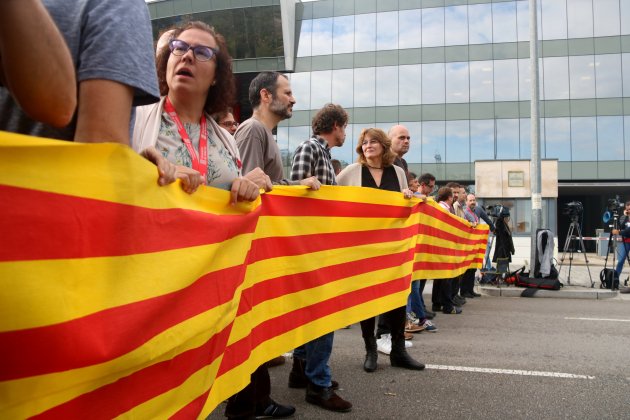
[609, 279]
[536, 283]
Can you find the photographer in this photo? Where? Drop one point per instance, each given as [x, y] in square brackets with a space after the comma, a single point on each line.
[624, 231]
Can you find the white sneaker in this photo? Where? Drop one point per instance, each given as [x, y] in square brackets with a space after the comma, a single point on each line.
[384, 344]
[408, 344]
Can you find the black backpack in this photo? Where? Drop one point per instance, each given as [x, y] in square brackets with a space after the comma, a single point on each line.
[609, 279]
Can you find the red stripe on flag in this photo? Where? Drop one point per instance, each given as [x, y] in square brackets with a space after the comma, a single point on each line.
[108, 334]
[280, 246]
[278, 205]
[427, 265]
[39, 225]
[438, 233]
[126, 393]
[193, 409]
[437, 250]
[273, 327]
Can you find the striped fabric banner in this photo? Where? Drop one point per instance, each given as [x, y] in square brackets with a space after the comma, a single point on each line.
[122, 298]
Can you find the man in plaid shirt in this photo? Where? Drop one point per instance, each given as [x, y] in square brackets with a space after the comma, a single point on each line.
[312, 157]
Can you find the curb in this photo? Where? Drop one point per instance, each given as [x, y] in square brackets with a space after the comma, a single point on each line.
[541, 293]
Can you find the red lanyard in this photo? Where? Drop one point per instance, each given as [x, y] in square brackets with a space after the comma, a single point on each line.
[199, 163]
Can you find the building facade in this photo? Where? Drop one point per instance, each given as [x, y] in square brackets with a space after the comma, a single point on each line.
[456, 73]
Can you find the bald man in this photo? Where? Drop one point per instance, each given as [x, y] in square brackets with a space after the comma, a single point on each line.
[399, 135]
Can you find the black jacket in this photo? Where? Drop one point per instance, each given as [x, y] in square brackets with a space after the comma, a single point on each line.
[504, 244]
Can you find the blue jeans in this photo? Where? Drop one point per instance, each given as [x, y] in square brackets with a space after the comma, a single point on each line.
[622, 254]
[316, 353]
[415, 302]
[486, 258]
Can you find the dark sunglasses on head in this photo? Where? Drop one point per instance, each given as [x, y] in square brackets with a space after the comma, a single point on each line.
[201, 52]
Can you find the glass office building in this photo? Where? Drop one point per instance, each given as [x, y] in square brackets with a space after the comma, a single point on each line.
[456, 73]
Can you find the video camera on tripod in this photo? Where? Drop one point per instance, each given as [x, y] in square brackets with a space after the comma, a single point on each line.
[614, 209]
[497, 211]
[573, 209]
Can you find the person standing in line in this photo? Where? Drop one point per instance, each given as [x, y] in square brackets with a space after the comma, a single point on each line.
[312, 158]
[467, 286]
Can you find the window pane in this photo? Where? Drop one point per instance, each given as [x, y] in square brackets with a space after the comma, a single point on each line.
[343, 34]
[505, 80]
[415, 147]
[387, 86]
[364, 87]
[387, 31]
[304, 46]
[456, 82]
[610, 138]
[522, 20]
[433, 27]
[296, 136]
[522, 216]
[525, 141]
[556, 78]
[481, 140]
[322, 36]
[457, 141]
[580, 16]
[606, 16]
[345, 153]
[582, 76]
[301, 87]
[554, 19]
[524, 81]
[410, 29]
[456, 20]
[626, 74]
[342, 88]
[583, 139]
[364, 33]
[433, 83]
[625, 17]
[433, 142]
[321, 88]
[480, 23]
[507, 139]
[409, 84]
[557, 141]
[608, 75]
[504, 22]
[626, 136]
[481, 83]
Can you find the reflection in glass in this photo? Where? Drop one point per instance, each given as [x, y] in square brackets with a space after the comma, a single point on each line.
[415, 146]
[582, 76]
[480, 23]
[554, 19]
[555, 78]
[505, 80]
[364, 87]
[626, 137]
[557, 133]
[364, 33]
[524, 81]
[387, 31]
[522, 20]
[433, 83]
[625, 67]
[625, 17]
[457, 142]
[387, 86]
[504, 22]
[304, 43]
[345, 153]
[433, 27]
[456, 20]
[481, 140]
[522, 216]
[409, 29]
[507, 138]
[457, 82]
[301, 87]
[322, 36]
[343, 34]
[321, 88]
[433, 147]
[525, 145]
[606, 17]
[296, 136]
[409, 78]
[481, 81]
[608, 75]
[342, 88]
[610, 138]
[580, 17]
[583, 139]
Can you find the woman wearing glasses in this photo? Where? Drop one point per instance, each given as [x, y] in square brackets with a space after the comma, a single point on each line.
[226, 120]
[195, 79]
[375, 169]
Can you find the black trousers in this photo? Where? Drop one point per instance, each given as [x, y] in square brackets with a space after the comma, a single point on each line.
[442, 295]
[468, 281]
[393, 320]
[254, 396]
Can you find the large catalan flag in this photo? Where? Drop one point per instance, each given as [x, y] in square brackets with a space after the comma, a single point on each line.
[122, 298]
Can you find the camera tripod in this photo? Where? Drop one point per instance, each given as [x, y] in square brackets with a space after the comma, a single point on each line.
[573, 228]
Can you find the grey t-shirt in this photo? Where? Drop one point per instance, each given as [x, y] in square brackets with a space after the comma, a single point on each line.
[109, 40]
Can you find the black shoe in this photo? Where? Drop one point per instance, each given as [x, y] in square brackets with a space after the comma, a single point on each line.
[468, 295]
[275, 411]
[454, 311]
[459, 301]
[400, 358]
[436, 308]
[371, 355]
[429, 314]
[326, 398]
[475, 294]
[297, 377]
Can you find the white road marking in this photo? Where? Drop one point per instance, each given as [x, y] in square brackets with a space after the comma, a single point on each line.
[600, 319]
[511, 372]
